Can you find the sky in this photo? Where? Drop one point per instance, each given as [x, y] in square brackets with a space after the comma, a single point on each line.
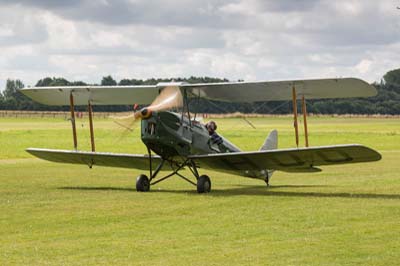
[242, 39]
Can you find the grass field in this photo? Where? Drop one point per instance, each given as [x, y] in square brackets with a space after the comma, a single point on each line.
[54, 214]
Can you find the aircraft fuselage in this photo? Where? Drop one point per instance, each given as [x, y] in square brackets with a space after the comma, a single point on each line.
[172, 135]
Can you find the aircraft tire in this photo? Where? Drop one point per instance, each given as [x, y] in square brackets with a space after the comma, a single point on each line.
[203, 184]
[142, 183]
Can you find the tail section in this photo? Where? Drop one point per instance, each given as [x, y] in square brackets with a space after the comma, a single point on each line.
[271, 143]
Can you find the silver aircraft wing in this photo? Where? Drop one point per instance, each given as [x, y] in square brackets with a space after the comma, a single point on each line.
[282, 90]
[133, 161]
[225, 91]
[255, 164]
[97, 95]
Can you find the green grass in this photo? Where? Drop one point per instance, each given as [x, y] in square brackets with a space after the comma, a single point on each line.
[55, 214]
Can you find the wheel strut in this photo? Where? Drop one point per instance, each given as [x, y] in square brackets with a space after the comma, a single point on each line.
[203, 183]
[267, 180]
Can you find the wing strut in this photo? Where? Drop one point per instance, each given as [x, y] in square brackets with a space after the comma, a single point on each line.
[90, 111]
[304, 110]
[296, 126]
[71, 105]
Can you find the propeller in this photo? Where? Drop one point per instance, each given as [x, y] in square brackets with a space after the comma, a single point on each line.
[169, 97]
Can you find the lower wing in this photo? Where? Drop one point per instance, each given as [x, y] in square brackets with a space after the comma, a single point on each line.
[134, 161]
[252, 164]
[256, 164]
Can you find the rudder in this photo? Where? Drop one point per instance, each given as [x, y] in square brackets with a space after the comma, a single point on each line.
[271, 142]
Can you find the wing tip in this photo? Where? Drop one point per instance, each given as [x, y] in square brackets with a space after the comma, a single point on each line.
[373, 155]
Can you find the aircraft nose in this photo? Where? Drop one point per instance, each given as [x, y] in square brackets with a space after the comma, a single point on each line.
[144, 113]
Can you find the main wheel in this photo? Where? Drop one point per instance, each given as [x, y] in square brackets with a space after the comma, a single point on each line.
[142, 183]
[203, 184]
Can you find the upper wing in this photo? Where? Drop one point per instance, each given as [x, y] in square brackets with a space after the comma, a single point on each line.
[97, 95]
[224, 91]
[254, 164]
[135, 161]
[282, 90]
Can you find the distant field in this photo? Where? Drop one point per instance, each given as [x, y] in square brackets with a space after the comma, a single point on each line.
[54, 214]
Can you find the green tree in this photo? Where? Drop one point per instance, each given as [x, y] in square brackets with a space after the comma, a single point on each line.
[12, 87]
[1, 101]
[13, 99]
[392, 77]
[392, 80]
[53, 82]
[108, 81]
[130, 82]
[386, 102]
[44, 82]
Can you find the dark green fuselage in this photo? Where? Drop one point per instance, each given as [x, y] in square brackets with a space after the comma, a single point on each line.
[172, 135]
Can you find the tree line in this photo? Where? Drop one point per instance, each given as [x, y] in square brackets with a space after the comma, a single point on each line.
[386, 102]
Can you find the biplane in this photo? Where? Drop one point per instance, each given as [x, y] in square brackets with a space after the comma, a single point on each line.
[175, 140]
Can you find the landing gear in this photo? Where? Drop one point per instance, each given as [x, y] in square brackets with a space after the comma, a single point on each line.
[142, 183]
[267, 179]
[203, 184]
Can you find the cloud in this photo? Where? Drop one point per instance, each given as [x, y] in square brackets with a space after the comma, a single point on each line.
[123, 12]
[285, 5]
[26, 28]
[240, 39]
[364, 66]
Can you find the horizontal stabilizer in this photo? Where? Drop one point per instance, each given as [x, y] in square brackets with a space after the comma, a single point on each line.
[304, 170]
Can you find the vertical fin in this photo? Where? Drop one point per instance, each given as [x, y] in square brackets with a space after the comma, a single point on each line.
[271, 142]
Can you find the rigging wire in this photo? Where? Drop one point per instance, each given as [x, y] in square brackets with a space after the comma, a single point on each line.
[271, 111]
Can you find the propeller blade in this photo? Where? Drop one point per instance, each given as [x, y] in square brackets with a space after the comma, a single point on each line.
[122, 125]
[169, 97]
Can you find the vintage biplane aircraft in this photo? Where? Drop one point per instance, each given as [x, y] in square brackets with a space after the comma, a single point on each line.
[180, 141]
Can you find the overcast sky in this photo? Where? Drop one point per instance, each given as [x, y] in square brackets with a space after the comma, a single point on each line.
[243, 39]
